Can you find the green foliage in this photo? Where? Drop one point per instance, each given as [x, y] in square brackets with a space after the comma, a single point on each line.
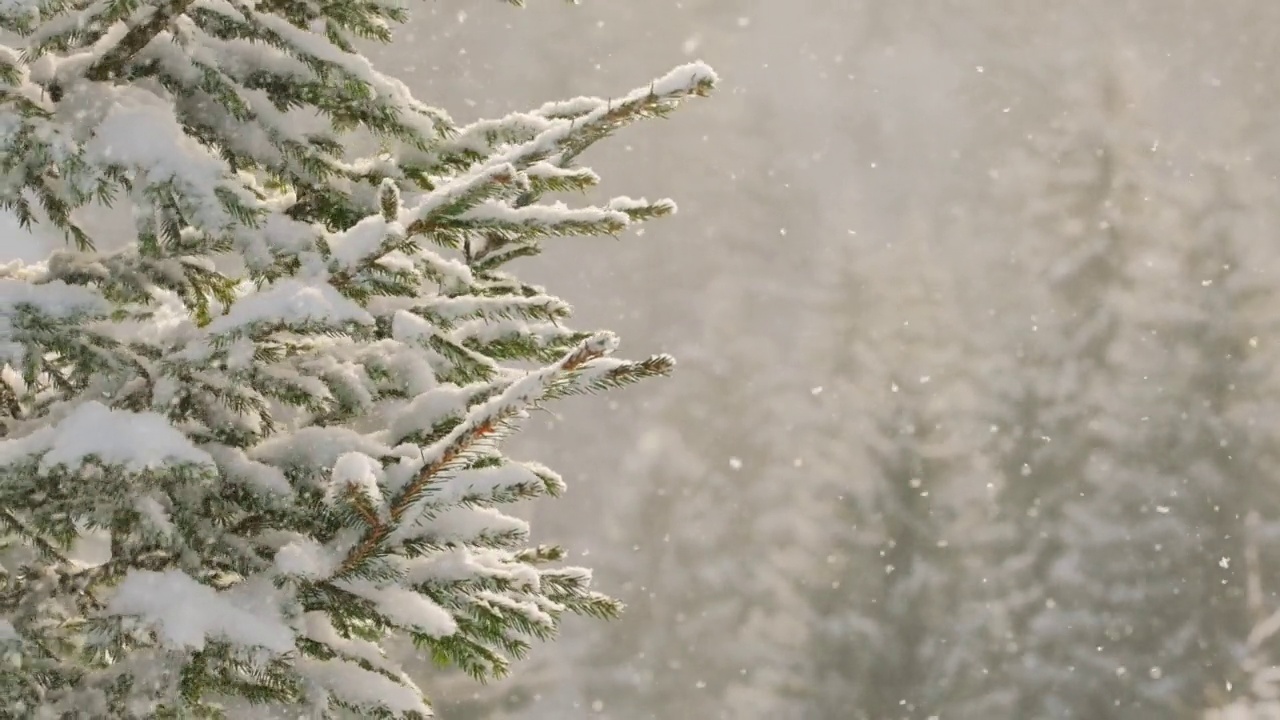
[280, 405]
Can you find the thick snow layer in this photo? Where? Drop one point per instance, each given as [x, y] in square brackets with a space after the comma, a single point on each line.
[469, 525]
[363, 239]
[429, 408]
[406, 607]
[317, 626]
[358, 470]
[137, 441]
[55, 299]
[363, 688]
[140, 129]
[682, 77]
[186, 613]
[291, 301]
[315, 447]
[234, 463]
[307, 558]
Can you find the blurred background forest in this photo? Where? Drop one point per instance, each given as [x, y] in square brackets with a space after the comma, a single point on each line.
[977, 311]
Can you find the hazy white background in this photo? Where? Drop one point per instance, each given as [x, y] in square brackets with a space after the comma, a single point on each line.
[845, 176]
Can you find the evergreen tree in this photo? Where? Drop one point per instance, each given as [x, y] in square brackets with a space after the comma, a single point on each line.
[1085, 198]
[256, 440]
[895, 460]
[1179, 532]
[1134, 515]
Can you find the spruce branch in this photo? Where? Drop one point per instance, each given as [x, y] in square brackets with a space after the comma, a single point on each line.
[112, 62]
[355, 307]
[487, 420]
[656, 102]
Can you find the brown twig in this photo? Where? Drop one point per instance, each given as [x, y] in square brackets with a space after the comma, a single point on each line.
[378, 531]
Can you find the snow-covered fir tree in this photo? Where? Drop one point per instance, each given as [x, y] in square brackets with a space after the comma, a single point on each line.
[1178, 531]
[1083, 195]
[1129, 551]
[258, 437]
[893, 456]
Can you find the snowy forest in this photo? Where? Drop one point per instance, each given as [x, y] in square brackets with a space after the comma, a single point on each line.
[975, 309]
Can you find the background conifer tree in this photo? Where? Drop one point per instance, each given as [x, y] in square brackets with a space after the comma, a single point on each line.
[254, 436]
[1179, 533]
[1087, 192]
[897, 486]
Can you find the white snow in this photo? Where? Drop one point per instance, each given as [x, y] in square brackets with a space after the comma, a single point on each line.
[407, 326]
[467, 525]
[429, 408]
[355, 469]
[186, 613]
[55, 299]
[411, 365]
[461, 563]
[497, 172]
[20, 8]
[235, 464]
[405, 607]
[363, 688]
[307, 558]
[91, 547]
[457, 308]
[138, 441]
[291, 301]
[489, 480]
[544, 169]
[547, 215]
[363, 239]
[681, 78]
[622, 203]
[155, 513]
[526, 608]
[317, 626]
[315, 447]
[139, 129]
